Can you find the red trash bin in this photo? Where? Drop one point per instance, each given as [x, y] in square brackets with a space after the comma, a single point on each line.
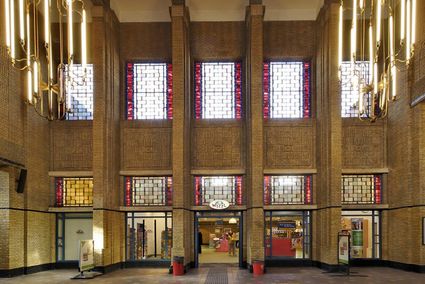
[178, 265]
[258, 267]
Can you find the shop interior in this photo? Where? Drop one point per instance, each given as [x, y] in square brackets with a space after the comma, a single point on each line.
[363, 227]
[285, 236]
[218, 240]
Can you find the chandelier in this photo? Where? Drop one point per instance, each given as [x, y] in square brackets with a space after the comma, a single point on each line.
[33, 49]
[381, 39]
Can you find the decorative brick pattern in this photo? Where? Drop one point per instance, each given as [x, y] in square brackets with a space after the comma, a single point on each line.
[218, 147]
[289, 146]
[146, 148]
[364, 145]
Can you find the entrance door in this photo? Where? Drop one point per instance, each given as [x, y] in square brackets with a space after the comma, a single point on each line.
[218, 238]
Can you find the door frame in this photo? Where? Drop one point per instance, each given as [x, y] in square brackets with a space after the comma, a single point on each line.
[218, 214]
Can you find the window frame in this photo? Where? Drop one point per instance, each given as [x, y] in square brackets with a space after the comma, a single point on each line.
[130, 112]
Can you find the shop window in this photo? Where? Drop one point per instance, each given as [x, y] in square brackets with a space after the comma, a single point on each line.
[148, 191]
[149, 236]
[79, 91]
[149, 91]
[287, 190]
[218, 90]
[75, 191]
[287, 234]
[350, 86]
[209, 188]
[287, 90]
[365, 232]
[361, 189]
[71, 229]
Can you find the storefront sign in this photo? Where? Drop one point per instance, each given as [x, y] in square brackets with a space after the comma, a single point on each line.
[86, 255]
[343, 249]
[219, 204]
[286, 225]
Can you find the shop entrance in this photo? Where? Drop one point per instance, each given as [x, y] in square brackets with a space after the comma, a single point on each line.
[218, 238]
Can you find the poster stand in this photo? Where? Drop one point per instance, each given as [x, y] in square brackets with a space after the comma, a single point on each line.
[86, 260]
[344, 249]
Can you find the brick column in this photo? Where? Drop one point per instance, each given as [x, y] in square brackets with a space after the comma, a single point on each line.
[327, 219]
[108, 222]
[182, 217]
[254, 59]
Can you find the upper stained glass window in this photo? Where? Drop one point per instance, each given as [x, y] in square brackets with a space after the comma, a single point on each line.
[79, 90]
[149, 91]
[286, 90]
[218, 90]
[349, 87]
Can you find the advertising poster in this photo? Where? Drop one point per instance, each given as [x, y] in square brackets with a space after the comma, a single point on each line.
[86, 255]
[343, 249]
[357, 237]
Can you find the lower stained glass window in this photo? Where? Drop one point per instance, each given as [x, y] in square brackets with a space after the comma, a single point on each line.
[148, 191]
[74, 191]
[287, 190]
[209, 188]
[361, 189]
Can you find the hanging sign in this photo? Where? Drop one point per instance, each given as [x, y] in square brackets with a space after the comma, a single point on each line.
[86, 255]
[219, 204]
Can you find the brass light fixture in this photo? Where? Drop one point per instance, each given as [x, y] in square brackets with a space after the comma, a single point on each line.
[373, 40]
[28, 25]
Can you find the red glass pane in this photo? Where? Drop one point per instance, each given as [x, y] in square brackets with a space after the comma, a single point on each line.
[239, 190]
[198, 104]
[198, 191]
[169, 91]
[128, 191]
[169, 193]
[130, 87]
[306, 90]
[378, 186]
[307, 188]
[59, 192]
[238, 91]
[267, 193]
[266, 90]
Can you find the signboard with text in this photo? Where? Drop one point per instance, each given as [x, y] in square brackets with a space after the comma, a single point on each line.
[219, 204]
[344, 249]
[86, 261]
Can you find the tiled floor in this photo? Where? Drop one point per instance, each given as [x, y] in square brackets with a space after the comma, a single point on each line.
[234, 275]
[209, 255]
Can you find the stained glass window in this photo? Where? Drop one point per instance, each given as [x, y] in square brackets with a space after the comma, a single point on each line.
[149, 91]
[287, 190]
[209, 188]
[349, 87]
[79, 91]
[148, 191]
[76, 191]
[361, 189]
[286, 90]
[218, 90]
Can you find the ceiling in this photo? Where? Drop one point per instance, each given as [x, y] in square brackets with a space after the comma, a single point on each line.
[215, 10]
